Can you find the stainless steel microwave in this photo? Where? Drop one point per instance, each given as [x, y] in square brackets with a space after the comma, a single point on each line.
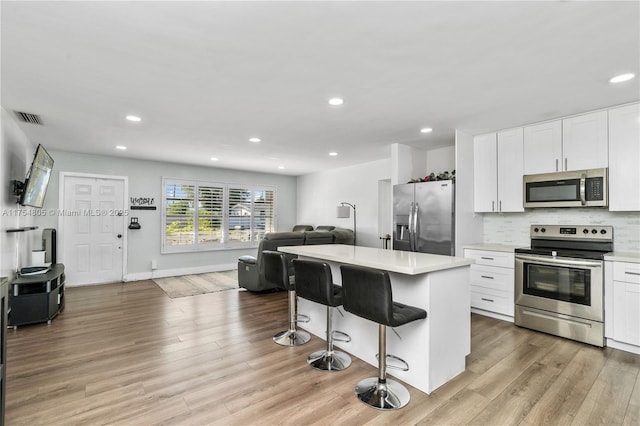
[580, 188]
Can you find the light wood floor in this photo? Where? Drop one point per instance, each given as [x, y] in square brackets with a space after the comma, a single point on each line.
[127, 354]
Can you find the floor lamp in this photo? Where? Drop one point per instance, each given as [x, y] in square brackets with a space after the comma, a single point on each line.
[344, 211]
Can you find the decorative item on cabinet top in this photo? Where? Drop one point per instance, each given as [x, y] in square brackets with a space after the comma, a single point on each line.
[432, 177]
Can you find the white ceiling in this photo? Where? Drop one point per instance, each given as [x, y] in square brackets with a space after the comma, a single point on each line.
[206, 76]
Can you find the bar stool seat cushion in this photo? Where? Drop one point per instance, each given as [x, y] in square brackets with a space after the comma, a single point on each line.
[403, 314]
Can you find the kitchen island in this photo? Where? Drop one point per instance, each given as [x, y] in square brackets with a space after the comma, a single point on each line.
[434, 348]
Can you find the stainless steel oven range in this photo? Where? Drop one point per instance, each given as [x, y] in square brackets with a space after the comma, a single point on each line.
[560, 281]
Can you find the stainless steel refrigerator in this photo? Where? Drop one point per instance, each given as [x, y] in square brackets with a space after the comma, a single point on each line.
[423, 217]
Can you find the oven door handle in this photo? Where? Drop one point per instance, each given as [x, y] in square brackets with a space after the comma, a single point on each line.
[560, 261]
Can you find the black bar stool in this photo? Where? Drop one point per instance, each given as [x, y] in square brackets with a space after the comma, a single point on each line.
[276, 272]
[367, 294]
[314, 282]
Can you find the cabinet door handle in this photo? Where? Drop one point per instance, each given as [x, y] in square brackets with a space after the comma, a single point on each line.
[566, 166]
[486, 258]
[500, 206]
[487, 277]
[632, 273]
[556, 164]
[493, 206]
[487, 300]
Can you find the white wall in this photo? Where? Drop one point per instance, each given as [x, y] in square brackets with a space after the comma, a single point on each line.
[320, 193]
[407, 163]
[16, 154]
[441, 160]
[145, 180]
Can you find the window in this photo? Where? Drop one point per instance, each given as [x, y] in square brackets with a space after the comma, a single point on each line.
[210, 216]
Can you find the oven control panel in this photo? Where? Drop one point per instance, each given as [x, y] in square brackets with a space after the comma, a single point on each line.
[572, 232]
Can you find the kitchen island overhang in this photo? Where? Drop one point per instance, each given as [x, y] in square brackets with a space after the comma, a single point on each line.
[434, 348]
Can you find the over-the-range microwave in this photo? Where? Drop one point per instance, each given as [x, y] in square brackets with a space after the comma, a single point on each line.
[581, 188]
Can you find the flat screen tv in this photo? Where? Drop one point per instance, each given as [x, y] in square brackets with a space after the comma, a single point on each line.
[35, 186]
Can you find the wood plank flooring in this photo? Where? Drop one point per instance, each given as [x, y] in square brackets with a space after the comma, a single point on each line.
[126, 354]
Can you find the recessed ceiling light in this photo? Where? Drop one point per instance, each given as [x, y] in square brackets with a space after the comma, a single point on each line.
[336, 101]
[333, 154]
[426, 130]
[133, 118]
[622, 77]
[214, 158]
[281, 167]
[256, 140]
[121, 147]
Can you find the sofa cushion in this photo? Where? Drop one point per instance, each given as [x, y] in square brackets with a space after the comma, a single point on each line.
[273, 240]
[342, 236]
[325, 228]
[302, 228]
[318, 237]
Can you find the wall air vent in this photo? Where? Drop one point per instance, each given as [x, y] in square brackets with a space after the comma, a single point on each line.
[28, 118]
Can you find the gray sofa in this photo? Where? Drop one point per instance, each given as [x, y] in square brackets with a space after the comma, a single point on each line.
[251, 269]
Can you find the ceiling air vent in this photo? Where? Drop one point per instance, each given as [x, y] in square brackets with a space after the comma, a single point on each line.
[29, 118]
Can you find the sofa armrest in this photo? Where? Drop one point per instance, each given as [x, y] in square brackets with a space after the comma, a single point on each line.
[247, 259]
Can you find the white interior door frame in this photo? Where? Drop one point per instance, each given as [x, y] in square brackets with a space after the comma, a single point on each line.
[61, 198]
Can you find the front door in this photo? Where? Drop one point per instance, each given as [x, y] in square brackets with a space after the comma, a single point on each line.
[93, 229]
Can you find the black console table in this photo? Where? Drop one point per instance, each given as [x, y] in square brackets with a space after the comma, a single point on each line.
[37, 298]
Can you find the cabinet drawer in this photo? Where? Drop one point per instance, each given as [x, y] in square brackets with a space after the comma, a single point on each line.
[627, 272]
[491, 258]
[492, 300]
[491, 277]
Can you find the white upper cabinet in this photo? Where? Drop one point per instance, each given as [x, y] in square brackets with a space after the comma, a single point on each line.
[575, 143]
[485, 173]
[510, 170]
[584, 142]
[624, 157]
[543, 148]
[498, 166]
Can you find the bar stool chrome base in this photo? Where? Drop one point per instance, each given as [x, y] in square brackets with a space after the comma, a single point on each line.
[382, 396]
[292, 338]
[322, 360]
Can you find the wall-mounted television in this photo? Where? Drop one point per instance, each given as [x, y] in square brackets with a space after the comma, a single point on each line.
[35, 185]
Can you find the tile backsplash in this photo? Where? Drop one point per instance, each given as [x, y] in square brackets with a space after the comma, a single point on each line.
[513, 228]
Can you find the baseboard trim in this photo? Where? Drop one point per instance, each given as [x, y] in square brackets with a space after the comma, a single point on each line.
[162, 273]
[623, 346]
[492, 314]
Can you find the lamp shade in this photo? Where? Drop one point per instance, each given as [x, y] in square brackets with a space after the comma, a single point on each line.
[343, 211]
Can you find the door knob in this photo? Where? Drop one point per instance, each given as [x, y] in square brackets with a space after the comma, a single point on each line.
[119, 235]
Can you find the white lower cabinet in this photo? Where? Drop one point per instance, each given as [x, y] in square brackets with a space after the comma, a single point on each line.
[622, 305]
[492, 283]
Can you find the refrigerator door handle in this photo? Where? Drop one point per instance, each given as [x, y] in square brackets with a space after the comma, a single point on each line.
[416, 229]
[411, 227]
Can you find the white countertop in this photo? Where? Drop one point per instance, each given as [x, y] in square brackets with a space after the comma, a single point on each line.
[619, 256]
[493, 247]
[403, 262]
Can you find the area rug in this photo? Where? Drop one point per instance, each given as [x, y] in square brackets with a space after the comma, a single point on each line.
[190, 285]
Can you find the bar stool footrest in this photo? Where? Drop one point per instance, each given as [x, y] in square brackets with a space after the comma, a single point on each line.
[404, 367]
[340, 336]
